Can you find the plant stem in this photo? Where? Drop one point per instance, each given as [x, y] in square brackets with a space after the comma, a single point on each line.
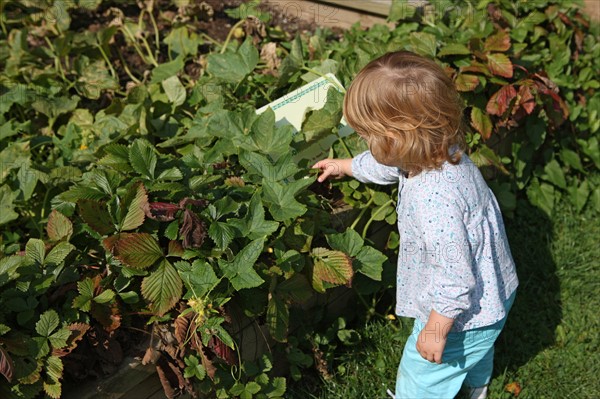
[372, 218]
[126, 68]
[210, 39]
[362, 212]
[110, 67]
[156, 35]
[230, 34]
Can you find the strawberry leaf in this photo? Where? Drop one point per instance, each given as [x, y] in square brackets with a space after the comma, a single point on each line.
[162, 288]
[137, 250]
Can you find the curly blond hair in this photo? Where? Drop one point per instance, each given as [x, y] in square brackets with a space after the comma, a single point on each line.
[407, 109]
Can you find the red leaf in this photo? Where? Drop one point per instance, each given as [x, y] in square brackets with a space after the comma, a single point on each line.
[481, 122]
[500, 101]
[6, 364]
[109, 243]
[514, 388]
[500, 65]
[108, 316]
[222, 351]
[94, 213]
[59, 226]
[79, 330]
[476, 67]
[498, 42]
[193, 202]
[526, 99]
[175, 249]
[162, 211]
[192, 230]
[137, 250]
[466, 82]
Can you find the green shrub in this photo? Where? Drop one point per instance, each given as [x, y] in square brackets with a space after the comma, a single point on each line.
[138, 184]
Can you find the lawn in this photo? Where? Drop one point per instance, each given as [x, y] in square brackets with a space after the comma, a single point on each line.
[550, 346]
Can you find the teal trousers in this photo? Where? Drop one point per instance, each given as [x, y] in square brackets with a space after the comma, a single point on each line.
[468, 358]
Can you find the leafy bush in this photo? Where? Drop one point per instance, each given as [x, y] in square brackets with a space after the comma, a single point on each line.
[138, 184]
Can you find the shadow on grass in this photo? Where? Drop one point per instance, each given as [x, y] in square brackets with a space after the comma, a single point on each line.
[537, 309]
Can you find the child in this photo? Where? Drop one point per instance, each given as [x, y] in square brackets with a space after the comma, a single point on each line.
[456, 275]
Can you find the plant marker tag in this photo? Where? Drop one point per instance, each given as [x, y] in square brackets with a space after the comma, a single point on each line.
[292, 108]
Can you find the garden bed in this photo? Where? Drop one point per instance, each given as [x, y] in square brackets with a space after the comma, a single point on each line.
[148, 210]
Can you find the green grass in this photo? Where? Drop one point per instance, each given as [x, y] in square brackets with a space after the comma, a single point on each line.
[550, 345]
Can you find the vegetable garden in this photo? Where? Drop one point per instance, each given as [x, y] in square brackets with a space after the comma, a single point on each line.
[144, 201]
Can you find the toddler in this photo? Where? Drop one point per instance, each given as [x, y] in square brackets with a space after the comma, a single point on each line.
[456, 276]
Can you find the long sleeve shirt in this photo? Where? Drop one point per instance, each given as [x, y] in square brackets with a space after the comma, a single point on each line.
[454, 256]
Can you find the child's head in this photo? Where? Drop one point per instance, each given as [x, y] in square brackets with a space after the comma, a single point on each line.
[408, 110]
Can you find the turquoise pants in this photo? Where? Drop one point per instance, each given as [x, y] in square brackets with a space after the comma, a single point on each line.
[468, 358]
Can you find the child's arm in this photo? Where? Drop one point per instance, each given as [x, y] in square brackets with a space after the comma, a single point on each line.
[362, 167]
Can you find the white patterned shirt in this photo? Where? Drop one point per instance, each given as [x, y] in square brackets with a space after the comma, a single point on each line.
[454, 256]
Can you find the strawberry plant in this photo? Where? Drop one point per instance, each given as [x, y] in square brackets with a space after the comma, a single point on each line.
[141, 193]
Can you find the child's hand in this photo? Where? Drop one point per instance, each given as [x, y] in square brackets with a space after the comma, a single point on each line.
[430, 345]
[334, 167]
[432, 338]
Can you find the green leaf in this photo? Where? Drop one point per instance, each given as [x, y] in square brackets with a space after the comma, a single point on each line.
[221, 233]
[35, 250]
[292, 64]
[297, 288]
[554, 174]
[454, 49]
[579, 195]
[58, 254]
[174, 90]
[572, 159]
[466, 82]
[423, 43]
[54, 368]
[199, 278]
[234, 67]
[182, 42]
[7, 212]
[349, 242]
[254, 224]
[541, 195]
[319, 123]
[269, 139]
[279, 387]
[143, 158]
[137, 250]
[369, 262]
[278, 318]
[481, 122]
[498, 42]
[240, 271]
[48, 322]
[281, 199]
[401, 10]
[59, 338]
[53, 107]
[59, 226]
[333, 267]
[162, 288]
[500, 65]
[166, 70]
[95, 78]
[8, 268]
[134, 205]
[95, 214]
[105, 297]
[86, 293]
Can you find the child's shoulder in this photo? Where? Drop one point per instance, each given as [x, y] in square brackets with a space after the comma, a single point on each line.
[455, 183]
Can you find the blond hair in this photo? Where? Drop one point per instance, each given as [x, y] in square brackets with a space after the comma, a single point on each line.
[408, 111]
